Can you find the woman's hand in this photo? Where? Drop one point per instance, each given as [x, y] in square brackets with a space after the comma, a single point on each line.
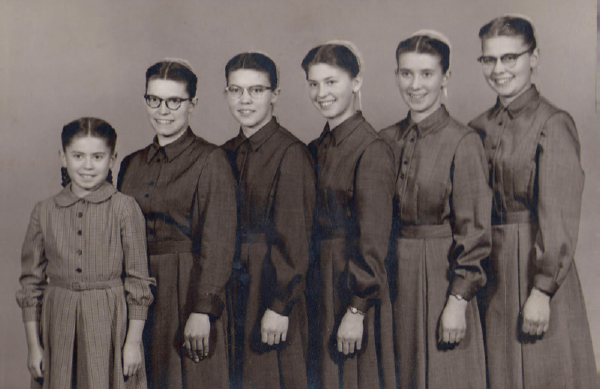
[536, 313]
[196, 336]
[35, 354]
[35, 361]
[350, 333]
[132, 358]
[273, 327]
[453, 323]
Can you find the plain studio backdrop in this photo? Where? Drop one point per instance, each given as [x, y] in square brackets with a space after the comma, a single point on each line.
[60, 60]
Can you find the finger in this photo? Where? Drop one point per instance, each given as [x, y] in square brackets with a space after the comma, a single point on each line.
[284, 336]
[206, 344]
[461, 336]
[525, 327]
[546, 326]
[540, 330]
[358, 344]
[351, 346]
[270, 339]
[277, 338]
[186, 344]
[446, 337]
[340, 346]
[346, 347]
[264, 336]
[452, 337]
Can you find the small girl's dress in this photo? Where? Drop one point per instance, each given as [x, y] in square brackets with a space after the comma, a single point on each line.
[84, 274]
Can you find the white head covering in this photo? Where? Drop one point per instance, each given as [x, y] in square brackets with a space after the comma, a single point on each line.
[180, 61]
[435, 35]
[359, 58]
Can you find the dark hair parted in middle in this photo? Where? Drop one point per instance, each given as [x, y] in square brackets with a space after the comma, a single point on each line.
[335, 55]
[88, 126]
[424, 44]
[253, 61]
[174, 71]
[510, 26]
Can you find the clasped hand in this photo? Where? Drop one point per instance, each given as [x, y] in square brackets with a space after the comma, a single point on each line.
[350, 333]
[536, 313]
[273, 327]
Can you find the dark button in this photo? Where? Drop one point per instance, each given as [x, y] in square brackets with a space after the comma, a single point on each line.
[406, 162]
[402, 176]
[78, 252]
[412, 139]
[157, 159]
[80, 214]
[146, 195]
[78, 270]
[500, 123]
[151, 231]
[151, 182]
[79, 232]
[150, 216]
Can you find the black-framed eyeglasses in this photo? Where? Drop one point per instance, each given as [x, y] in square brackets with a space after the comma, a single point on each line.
[173, 103]
[255, 91]
[509, 60]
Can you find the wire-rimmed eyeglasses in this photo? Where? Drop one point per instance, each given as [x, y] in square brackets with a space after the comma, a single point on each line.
[255, 91]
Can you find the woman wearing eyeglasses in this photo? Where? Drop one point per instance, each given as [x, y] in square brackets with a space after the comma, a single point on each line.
[186, 191]
[276, 198]
[537, 332]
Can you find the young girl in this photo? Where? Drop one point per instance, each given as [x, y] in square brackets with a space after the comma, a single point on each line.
[85, 272]
[442, 227]
[276, 198]
[536, 326]
[355, 187]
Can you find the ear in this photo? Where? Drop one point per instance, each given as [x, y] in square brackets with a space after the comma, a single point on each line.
[446, 78]
[534, 58]
[113, 159]
[63, 157]
[193, 103]
[357, 83]
[275, 95]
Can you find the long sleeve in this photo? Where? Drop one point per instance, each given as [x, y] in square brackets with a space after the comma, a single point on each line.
[560, 185]
[374, 191]
[137, 281]
[471, 203]
[33, 264]
[216, 230]
[292, 222]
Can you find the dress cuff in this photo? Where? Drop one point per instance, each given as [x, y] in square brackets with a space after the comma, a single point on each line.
[281, 308]
[361, 304]
[32, 313]
[545, 284]
[137, 312]
[209, 303]
[463, 288]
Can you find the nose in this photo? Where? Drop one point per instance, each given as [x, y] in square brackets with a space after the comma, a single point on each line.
[498, 66]
[245, 97]
[416, 82]
[88, 163]
[321, 90]
[162, 108]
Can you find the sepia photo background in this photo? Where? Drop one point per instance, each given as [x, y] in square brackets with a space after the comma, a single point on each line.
[63, 59]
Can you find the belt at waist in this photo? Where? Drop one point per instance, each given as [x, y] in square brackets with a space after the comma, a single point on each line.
[424, 231]
[169, 247]
[78, 285]
[252, 237]
[512, 218]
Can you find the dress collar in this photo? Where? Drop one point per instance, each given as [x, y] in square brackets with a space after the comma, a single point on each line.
[66, 197]
[259, 137]
[172, 150]
[347, 127]
[519, 105]
[438, 119]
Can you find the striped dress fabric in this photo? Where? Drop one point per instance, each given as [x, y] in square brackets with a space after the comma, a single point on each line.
[84, 273]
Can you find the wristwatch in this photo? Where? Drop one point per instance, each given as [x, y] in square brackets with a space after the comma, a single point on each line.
[458, 296]
[355, 311]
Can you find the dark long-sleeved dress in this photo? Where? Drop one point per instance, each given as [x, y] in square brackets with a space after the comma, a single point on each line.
[276, 198]
[441, 236]
[537, 180]
[85, 273]
[187, 193]
[355, 187]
